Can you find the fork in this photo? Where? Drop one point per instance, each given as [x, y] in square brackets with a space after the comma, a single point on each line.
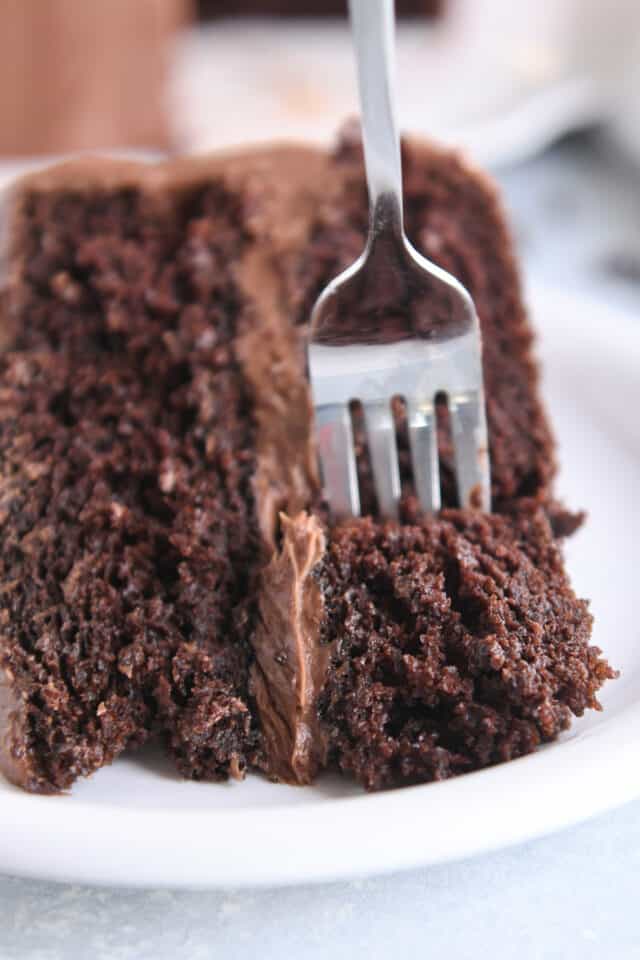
[394, 324]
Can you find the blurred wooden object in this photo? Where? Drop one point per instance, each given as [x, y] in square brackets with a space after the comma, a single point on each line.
[83, 74]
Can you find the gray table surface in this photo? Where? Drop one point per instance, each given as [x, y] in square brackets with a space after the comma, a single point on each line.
[576, 213]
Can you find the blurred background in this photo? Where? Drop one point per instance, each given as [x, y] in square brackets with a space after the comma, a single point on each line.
[545, 95]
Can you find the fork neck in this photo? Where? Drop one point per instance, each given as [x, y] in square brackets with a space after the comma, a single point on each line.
[372, 23]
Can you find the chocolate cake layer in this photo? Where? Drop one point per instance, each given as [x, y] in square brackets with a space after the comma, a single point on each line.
[452, 644]
[132, 451]
[156, 421]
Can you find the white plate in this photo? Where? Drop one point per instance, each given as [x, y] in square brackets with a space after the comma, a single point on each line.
[136, 823]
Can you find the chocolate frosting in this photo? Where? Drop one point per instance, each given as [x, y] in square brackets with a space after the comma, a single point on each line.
[291, 663]
[13, 767]
[14, 758]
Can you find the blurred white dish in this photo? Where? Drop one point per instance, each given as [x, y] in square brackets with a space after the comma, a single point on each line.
[499, 79]
[136, 823]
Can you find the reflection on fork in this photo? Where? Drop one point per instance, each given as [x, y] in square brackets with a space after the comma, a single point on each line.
[394, 324]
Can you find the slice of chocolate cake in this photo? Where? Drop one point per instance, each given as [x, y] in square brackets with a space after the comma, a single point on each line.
[406, 653]
[155, 424]
[139, 426]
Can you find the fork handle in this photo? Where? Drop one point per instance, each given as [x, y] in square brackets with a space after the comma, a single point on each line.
[372, 24]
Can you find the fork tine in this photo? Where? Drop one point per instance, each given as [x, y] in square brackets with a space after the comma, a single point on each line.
[381, 437]
[338, 459]
[469, 434]
[423, 440]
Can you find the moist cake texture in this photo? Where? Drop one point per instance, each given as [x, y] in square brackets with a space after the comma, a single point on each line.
[167, 569]
[120, 578]
[454, 642]
[457, 643]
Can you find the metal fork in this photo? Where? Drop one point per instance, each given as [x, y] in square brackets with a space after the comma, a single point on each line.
[394, 324]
